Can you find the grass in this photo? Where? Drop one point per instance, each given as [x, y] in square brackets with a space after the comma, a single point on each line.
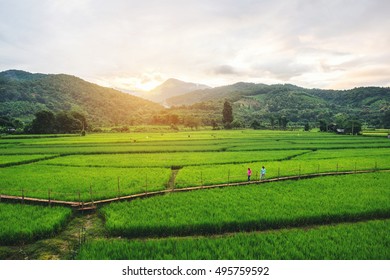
[187, 141]
[26, 223]
[143, 160]
[229, 173]
[346, 153]
[203, 157]
[65, 183]
[171, 159]
[255, 207]
[9, 160]
[361, 241]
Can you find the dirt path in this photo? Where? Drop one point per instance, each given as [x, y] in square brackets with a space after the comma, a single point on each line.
[62, 246]
[171, 188]
[171, 182]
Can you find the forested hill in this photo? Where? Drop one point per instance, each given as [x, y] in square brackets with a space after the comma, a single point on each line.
[298, 104]
[22, 94]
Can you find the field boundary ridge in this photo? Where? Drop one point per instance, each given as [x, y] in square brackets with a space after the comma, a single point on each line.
[86, 206]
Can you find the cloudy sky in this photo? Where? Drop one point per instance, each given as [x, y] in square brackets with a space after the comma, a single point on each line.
[138, 44]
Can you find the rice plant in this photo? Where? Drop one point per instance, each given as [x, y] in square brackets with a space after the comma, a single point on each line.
[360, 241]
[255, 207]
[25, 223]
[80, 183]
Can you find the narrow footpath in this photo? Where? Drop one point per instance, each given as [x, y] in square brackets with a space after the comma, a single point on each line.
[86, 207]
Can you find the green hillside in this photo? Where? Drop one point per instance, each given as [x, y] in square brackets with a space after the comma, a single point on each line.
[298, 104]
[22, 94]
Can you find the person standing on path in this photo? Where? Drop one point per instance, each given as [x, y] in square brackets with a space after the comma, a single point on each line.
[262, 173]
[249, 174]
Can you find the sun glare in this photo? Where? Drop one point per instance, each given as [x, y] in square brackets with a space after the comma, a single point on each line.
[147, 86]
[129, 84]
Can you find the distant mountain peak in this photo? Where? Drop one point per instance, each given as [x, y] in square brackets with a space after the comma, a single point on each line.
[173, 87]
[173, 80]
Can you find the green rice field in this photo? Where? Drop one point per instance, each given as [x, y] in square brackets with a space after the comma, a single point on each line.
[25, 223]
[359, 241]
[328, 217]
[255, 207]
[80, 183]
[144, 161]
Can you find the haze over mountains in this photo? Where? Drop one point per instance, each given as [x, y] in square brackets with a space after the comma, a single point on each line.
[22, 94]
[168, 89]
[171, 88]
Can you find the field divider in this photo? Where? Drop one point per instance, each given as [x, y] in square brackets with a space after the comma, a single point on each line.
[80, 205]
[43, 201]
[23, 162]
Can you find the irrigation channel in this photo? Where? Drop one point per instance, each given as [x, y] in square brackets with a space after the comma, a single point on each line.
[92, 205]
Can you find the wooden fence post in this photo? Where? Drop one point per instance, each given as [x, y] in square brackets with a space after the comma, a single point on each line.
[299, 172]
[119, 190]
[90, 193]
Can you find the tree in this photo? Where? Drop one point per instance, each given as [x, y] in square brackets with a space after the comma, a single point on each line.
[192, 122]
[256, 124]
[62, 122]
[353, 127]
[173, 119]
[341, 119]
[386, 119]
[10, 123]
[66, 123]
[43, 123]
[227, 114]
[214, 124]
[272, 122]
[282, 120]
[82, 120]
[307, 126]
[323, 126]
[237, 124]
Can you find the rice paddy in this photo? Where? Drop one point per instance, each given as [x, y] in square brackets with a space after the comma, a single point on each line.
[340, 212]
[25, 223]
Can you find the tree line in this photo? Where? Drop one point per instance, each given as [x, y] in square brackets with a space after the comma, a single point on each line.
[47, 122]
[339, 123]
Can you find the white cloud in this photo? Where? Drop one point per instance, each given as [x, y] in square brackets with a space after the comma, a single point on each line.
[317, 43]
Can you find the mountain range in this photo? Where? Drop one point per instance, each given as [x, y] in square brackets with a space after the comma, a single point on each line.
[22, 94]
[298, 104]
